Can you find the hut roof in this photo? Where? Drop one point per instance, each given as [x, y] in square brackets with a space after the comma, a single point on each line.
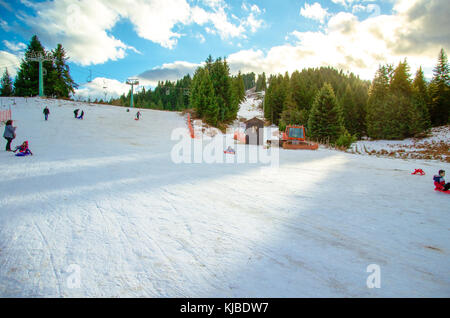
[254, 122]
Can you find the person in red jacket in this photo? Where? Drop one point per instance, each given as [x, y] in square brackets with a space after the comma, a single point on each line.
[439, 181]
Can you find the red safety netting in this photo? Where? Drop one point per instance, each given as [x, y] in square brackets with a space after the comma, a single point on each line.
[5, 115]
[191, 129]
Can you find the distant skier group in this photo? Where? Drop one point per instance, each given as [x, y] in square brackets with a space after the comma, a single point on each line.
[10, 134]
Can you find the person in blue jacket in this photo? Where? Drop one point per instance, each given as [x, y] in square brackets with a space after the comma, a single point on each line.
[9, 134]
[439, 181]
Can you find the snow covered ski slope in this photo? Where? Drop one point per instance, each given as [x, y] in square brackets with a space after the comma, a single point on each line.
[101, 210]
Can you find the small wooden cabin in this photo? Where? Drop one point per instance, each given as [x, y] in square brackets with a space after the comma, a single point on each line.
[254, 131]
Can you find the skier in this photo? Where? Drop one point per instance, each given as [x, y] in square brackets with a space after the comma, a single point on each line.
[81, 116]
[23, 150]
[138, 114]
[75, 112]
[46, 112]
[439, 181]
[9, 134]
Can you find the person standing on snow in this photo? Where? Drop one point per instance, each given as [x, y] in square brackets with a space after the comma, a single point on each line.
[9, 134]
[439, 181]
[138, 114]
[46, 112]
[82, 114]
[75, 112]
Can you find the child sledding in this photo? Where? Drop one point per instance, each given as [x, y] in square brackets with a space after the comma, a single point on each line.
[439, 182]
[230, 151]
[23, 150]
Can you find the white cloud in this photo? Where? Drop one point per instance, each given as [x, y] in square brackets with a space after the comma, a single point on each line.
[345, 2]
[95, 89]
[4, 25]
[6, 5]
[254, 8]
[9, 61]
[314, 12]
[417, 30]
[168, 71]
[14, 47]
[345, 43]
[222, 26]
[348, 3]
[80, 28]
[84, 26]
[201, 38]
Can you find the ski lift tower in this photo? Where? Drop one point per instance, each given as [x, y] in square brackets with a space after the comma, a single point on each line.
[132, 82]
[40, 57]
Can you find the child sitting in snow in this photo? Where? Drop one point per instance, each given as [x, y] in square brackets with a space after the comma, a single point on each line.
[439, 181]
[23, 149]
[230, 150]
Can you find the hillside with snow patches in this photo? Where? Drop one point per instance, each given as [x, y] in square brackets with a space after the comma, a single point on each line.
[435, 146]
[103, 210]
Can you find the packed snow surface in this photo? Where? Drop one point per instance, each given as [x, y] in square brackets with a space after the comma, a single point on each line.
[101, 209]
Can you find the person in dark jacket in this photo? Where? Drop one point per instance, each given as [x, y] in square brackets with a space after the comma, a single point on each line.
[23, 150]
[81, 116]
[439, 181]
[9, 134]
[46, 112]
[138, 115]
[75, 112]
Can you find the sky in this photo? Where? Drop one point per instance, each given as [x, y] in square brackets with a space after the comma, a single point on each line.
[109, 41]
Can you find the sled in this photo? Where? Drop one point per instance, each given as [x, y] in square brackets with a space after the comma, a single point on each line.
[439, 187]
[419, 172]
[22, 154]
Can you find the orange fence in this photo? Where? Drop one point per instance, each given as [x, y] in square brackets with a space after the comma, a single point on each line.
[5, 115]
[191, 129]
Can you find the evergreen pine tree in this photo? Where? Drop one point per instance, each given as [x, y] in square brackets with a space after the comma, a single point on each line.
[421, 100]
[349, 110]
[261, 85]
[440, 92]
[27, 79]
[202, 97]
[377, 103]
[6, 85]
[402, 117]
[238, 94]
[326, 119]
[63, 82]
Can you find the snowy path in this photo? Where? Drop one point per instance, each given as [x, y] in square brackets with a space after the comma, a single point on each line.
[104, 195]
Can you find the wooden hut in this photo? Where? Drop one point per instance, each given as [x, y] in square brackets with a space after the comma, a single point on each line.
[254, 131]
